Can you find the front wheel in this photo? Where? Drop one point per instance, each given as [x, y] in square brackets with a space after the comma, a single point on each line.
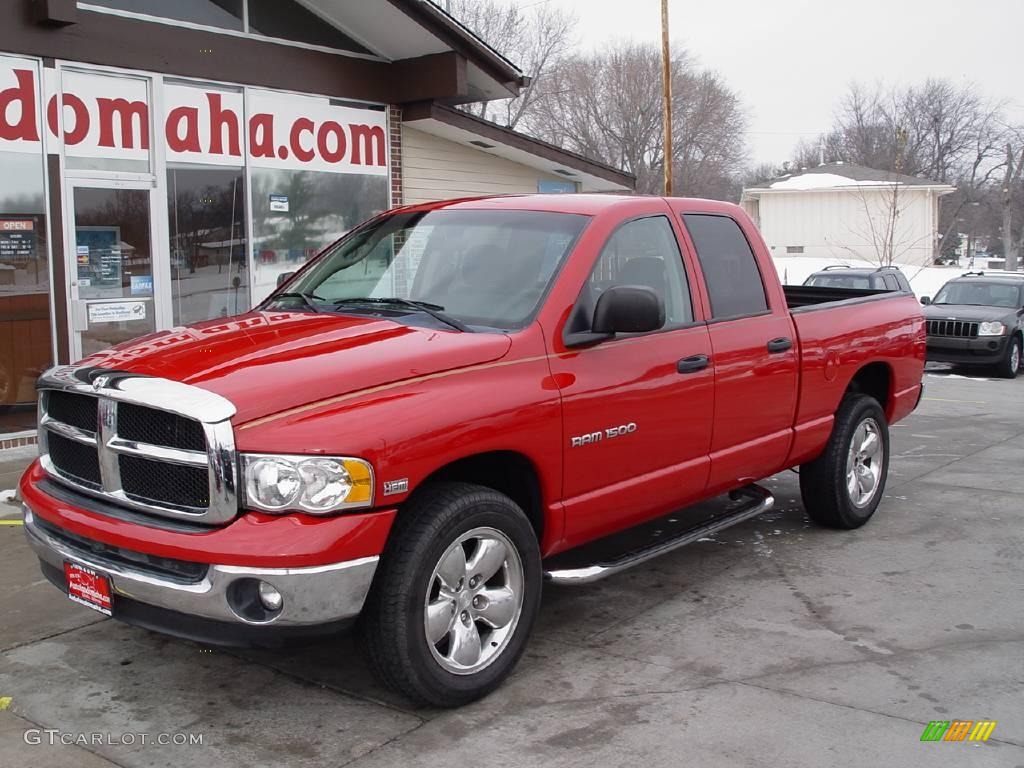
[455, 597]
[843, 487]
[1010, 364]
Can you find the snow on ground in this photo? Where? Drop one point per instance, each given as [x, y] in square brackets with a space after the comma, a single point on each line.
[925, 281]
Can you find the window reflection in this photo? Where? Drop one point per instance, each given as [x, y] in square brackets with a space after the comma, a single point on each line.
[226, 14]
[296, 213]
[206, 215]
[24, 288]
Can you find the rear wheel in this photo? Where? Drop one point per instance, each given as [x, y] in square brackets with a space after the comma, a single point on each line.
[843, 487]
[1010, 364]
[455, 597]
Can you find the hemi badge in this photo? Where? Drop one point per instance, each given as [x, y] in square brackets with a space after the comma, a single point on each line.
[392, 487]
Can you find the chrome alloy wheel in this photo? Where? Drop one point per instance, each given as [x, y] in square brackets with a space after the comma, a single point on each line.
[473, 601]
[864, 463]
[1014, 355]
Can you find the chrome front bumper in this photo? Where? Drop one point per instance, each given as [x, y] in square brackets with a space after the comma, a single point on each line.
[312, 596]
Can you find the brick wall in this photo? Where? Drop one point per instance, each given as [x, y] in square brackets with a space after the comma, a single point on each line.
[395, 139]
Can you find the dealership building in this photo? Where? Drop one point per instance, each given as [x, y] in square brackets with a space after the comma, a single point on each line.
[162, 163]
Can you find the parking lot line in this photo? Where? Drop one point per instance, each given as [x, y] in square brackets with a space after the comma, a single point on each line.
[949, 400]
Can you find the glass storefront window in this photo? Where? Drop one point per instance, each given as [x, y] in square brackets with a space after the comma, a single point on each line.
[289, 20]
[114, 265]
[206, 213]
[296, 213]
[281, 19]
[25, 349]
[225, 14]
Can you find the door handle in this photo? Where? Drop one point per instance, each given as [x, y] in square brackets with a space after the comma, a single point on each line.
[780, 344]
[693, 364]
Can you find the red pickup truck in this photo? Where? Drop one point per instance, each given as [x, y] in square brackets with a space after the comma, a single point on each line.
[451, 404]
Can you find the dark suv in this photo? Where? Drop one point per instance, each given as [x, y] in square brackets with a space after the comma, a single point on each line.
[978, 319]
[880, 279]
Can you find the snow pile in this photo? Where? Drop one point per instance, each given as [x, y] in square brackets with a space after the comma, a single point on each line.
[809, 181]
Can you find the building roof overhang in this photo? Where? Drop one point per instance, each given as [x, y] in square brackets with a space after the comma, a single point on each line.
[485, 136]
[398, 30]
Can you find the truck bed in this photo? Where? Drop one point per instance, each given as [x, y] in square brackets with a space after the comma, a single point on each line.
[806, 297]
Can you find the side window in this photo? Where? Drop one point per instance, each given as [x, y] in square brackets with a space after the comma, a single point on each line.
[644, 252]
[730, 270]
[891, 284]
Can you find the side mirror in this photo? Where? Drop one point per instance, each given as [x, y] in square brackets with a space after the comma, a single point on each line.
[283, 278]
[628, 309]
[926, 300]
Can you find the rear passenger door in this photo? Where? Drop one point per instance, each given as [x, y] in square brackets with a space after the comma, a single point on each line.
[754, 353]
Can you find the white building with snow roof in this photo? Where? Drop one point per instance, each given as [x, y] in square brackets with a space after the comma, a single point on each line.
[844, 211]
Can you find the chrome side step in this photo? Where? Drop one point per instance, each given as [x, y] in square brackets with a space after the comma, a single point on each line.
[760, 501]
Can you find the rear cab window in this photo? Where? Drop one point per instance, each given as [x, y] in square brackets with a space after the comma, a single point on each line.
[731, 274]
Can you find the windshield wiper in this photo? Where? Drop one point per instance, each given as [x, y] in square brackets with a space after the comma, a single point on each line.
[307, 298]
[436, 311]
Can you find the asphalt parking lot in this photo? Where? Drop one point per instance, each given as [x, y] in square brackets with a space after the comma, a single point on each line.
[774, 644]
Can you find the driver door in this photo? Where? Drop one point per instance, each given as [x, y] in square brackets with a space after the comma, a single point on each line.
[637, 409]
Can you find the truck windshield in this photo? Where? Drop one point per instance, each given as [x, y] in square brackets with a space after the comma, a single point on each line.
[980, 294]
[480, 269]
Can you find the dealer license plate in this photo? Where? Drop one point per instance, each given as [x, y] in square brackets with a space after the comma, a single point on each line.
[87, 587]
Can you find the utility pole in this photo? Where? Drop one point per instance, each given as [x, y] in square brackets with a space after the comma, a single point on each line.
[666, 77]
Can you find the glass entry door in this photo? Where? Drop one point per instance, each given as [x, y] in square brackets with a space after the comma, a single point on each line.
[110, 263]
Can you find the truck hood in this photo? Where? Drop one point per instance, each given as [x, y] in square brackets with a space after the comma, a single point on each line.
[266, 362]
[972, 312]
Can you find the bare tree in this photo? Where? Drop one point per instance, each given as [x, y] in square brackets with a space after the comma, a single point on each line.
[936, 130]
[943, 127]
[607, 105]
[535, 39]
[1010, 194]
[762, 173]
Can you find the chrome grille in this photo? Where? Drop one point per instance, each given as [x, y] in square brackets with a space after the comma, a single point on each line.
[958, 328]
[145, 425]
[74, 460]
[151, 481]
[75, 410]
[149, 444]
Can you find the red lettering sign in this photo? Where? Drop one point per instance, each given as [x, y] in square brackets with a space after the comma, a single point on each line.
[24, 95]
[100, 115]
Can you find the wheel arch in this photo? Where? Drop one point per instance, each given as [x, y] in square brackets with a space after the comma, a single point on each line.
[874, 379]
[506, 471]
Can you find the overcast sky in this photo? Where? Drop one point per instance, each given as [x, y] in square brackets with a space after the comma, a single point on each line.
[790, 60]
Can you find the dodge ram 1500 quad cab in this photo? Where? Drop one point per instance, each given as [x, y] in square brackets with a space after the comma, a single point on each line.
[451, 404]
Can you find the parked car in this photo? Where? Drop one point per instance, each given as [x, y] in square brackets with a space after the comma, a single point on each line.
[978, 319]
[430, 417]
[841, 276]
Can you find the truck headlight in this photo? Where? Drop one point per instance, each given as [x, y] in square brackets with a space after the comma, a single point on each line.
[991, 329]
[314, 484]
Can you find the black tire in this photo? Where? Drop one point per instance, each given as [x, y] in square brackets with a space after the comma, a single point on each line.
[827, 497]
[393, 625]
[1008, 368]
